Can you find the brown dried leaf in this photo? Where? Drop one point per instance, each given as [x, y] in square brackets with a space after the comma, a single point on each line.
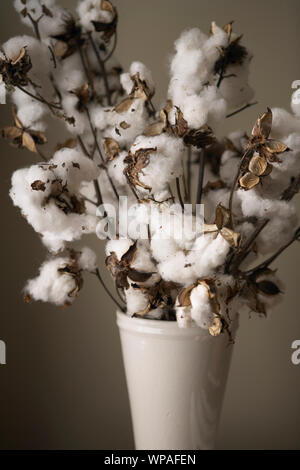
[124, 125]
[22, 53]
[230, 236]
[124, 106]
[46, 11]
[107, 6]
[129, 256]
[267, 287]
[248, 181]
[156, 128]
[222, 216]
[69, 143]
[184, 296]
[258, 165]
[138, 276]
[200, 138]
[210, 228]
[28, 142]
[60, 49]
[275, 146]
[11, 132]
[38, 185]
[263, 125]
[111, 148]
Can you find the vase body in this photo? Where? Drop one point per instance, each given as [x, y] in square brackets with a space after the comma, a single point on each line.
[176, 381]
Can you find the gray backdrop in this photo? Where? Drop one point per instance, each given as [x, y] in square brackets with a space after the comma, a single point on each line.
[63, 386]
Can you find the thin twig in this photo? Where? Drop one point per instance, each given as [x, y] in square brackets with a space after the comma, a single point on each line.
[39, 98]
[35, 24]
[239, 257]
[107, 290]
[262, 266]
[103, 70]
[179, 193]
[248, 105]
[113, 48]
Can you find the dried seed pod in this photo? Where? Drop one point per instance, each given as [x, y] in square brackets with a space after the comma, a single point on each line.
[258, 165]
[248, 181]
[267, 170]
[216, 328]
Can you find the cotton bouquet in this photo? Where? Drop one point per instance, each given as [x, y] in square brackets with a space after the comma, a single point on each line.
[122, 150]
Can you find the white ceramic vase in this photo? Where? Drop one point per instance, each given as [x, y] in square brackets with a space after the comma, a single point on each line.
[176, 381]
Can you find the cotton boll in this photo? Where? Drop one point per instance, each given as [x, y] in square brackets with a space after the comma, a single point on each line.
[81, 124]
[73, 167]
[29, 111]
[235, 89]
[165, 164]
[201, 311]
[49, 24]
[119, 246]
[239, 140]
[51, 285]
[284, 123]
[69, 74]
[51, 201]
[136, 300]
[144, 73]
[163, 248]
[212, 198]
[282, 172]
[116, 169]
[123, 127]
[90, 10]
[183, 317]
[177, 269]
[191, 68]
[282, 219]
[87, 259]
[207, 261]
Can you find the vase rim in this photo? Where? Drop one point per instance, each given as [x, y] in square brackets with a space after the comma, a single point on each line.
[157, 327]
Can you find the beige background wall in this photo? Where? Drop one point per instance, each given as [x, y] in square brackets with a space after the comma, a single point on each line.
[63, 385]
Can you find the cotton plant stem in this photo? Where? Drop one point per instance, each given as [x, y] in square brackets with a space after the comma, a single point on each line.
[35, 24]
[39, 98]
[85, 68]
[239, 257]
[100, 153]
[265, 264]
[200, 177]
[113, 48]
[103, 70]
[95, 182]
[188, 174]
[97, 272]
[179, 193]
[248, 105]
